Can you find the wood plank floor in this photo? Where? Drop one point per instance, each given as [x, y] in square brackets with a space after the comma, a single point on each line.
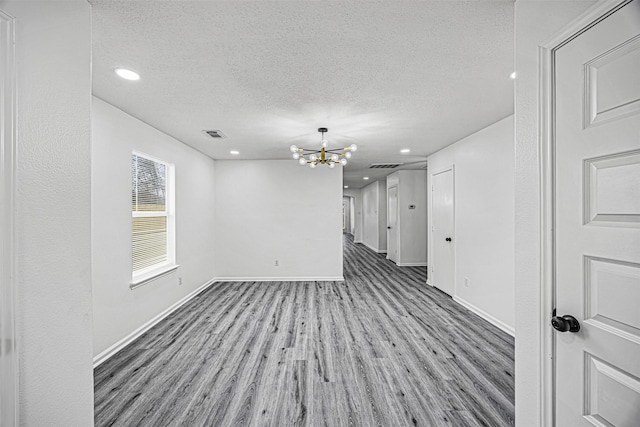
[382, 348]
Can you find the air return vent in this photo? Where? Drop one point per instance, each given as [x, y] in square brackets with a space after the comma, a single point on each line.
[385, 165]
[215, 133]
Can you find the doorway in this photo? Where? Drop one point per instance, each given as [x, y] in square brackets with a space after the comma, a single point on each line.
[443, 243]
[352, 216]
[346, 215]
[349, 215]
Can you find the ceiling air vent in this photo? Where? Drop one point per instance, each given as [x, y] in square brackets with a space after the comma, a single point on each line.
[215, 133]
[385, 165]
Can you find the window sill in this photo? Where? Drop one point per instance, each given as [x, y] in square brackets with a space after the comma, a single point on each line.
[155, 274]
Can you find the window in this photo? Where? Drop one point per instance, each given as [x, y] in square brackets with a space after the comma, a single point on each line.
[152, 219]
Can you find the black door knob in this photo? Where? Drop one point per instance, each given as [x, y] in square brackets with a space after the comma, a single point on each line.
[448, 239]
[565, 323]
[388, 228]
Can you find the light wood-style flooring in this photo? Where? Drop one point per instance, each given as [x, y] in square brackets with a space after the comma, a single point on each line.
[381, 348]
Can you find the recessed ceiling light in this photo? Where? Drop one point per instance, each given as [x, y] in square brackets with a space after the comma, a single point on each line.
[346, 186]
[234, 152]
[513, 75]
[405, 150]
[127, 74]
[365, 178]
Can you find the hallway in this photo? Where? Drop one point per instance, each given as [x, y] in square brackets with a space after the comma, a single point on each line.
[380, 348]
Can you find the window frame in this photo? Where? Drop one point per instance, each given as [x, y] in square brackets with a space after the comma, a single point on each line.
[147, 274]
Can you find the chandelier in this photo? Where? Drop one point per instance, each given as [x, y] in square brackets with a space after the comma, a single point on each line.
[331, 158]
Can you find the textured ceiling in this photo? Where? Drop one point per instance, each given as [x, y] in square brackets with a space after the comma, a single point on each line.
[385, 75]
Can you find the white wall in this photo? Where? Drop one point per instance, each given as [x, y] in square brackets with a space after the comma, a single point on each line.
[268, 210]
[484, 219]
[374, 216]
[358, 225]
[412, 223]
[370, 216]
[118, 310]
[536, 22]
[53, 212]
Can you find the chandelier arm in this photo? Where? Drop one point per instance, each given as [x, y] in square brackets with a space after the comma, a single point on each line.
[323, 156]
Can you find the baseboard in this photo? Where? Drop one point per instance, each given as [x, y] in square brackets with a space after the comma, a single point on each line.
[486, 316]
[106, 354]
[429, 283]
[280, 279]
[411, 264]
[369, 246]
[374, 249]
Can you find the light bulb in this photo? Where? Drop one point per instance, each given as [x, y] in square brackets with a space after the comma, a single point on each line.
[313, 165]
[353, 147]
[293, 148]
[343, 162]
[127, 74]
[347, 154]
[313, 157]
[302, 161]
[332, 165]
[296, 155]
[335, 157]
[325, 143]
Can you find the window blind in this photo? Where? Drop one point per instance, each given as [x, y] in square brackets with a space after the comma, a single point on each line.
[149, 212]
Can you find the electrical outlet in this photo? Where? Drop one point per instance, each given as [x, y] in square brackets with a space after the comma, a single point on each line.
[179, 281]
[276, 263]
[466, 282]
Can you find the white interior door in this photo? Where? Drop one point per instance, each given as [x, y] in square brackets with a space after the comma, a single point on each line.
[392, 224]
[442, 197]
[597, 214]
[8, 358]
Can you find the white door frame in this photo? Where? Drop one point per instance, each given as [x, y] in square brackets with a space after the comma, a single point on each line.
[397, 261]
[546, 148]
[8, 347]
[430, 240]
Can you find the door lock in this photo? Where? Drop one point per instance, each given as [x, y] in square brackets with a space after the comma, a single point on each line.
[448, 239]
[565, 323]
